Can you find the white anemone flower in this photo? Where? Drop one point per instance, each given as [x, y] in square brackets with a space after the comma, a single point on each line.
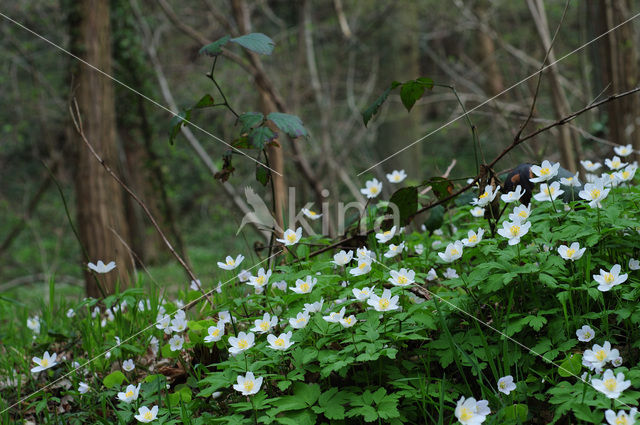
[472, 412]
[342, 258]
[146, 415]
[513, 196]
[394, 250]
[335, 316]
[291, 237]
[615, 163]
[347, 322]
[264, 325]
[281, 342]
[224, 316]
[520, 213]
[473, 238]
[83, 388]
[622, 418]
[311, 214]
[248, 384]
[572, 181]
[403, 277]
[585, 333]
[71, 313]
[598, 355]
[362, 294]
[261, 280]
[179, 323]
[300, 321]
[487, 196]
[242, 342]
[450, 273]
[230, 263]
[129, 394]
[452, 252]
[573, 252]
[45, 362]
[514, 231]
[128, 365]
[386, 236]
[506, 384]
[627, 174]
[544, 172]
[101, 267]
[594, 193]
[477, 212]
[33, 323]
[244, 276]
[432, 274]
[372, 189]
[623, 150]
[591, 166]
[385, 302]
[175, 343]
[607, 280]
[548, 192]
[365, 254]
[419, 249]
[304, 286]
[314, 307]
[396, 176]
[634, 264]
[364, 267]
[611, 385]
[215, 333]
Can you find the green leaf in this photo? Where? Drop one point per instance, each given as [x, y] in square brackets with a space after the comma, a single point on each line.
[410, 92]
[215, 48]
[259, 136]
[167, 353]
[181, 395]
[256, 42]
[308, 393]
[248, 120]
[283, 385]
[406, 199]
[113, 379]
[205, 102]
[441, 187]
[290, 124]
[262, 174]
[373, 109]
[571, 366]
[436, 218]
[177, 122]
[536, 322]
[516, 412]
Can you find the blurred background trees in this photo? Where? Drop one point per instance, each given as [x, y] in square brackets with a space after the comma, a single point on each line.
[332, 59]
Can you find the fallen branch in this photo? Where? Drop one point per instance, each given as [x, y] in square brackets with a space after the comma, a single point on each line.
[77, 122]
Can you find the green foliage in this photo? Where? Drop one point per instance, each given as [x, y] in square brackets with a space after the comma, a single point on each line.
[410, 93]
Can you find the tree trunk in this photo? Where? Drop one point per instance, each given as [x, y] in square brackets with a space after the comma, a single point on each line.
[101, 217]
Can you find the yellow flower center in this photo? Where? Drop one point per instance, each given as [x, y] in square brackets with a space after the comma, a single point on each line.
[615, 164]
[454, 251]
[523, 214]
[503, 385]
[362, 265]
[402, 279]
[383, 303]
[215, 332]
[248, 385]
[301, 320]
[595, 193]
[570, 179]
[291, 237]
[465, 414]
[611, 384]
[312, 213]
[622, 420]
[304, 287]
[570, 252]
[544, 171]
[387, 233]
[148, 415]
[44, 363]
[608, 277]
[129, 394]
[243, 343]
[396, 177]
[625, 174]
[601, 355]
[473, 238]
[374, 189]
[260, 280]
[348, 320]
[264, 325]
[515, 230]
[279, 342]
[587, 335]
[484, 195]
[230, 262]
[364, 292]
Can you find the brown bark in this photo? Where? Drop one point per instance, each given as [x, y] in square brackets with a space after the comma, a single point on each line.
[99, 198]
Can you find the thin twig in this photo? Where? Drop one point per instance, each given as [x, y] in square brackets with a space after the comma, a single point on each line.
[77, 122]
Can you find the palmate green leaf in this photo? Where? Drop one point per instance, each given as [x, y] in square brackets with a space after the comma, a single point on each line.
[516, 412]
[215, 48]
[260, 136]
[248, 120]
[290, 124]
[411, 91]
[571, 366]
[373, 109]
[256, 42]
[113, 379]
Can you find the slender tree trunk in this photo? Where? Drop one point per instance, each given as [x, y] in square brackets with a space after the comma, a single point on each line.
[101, 217]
